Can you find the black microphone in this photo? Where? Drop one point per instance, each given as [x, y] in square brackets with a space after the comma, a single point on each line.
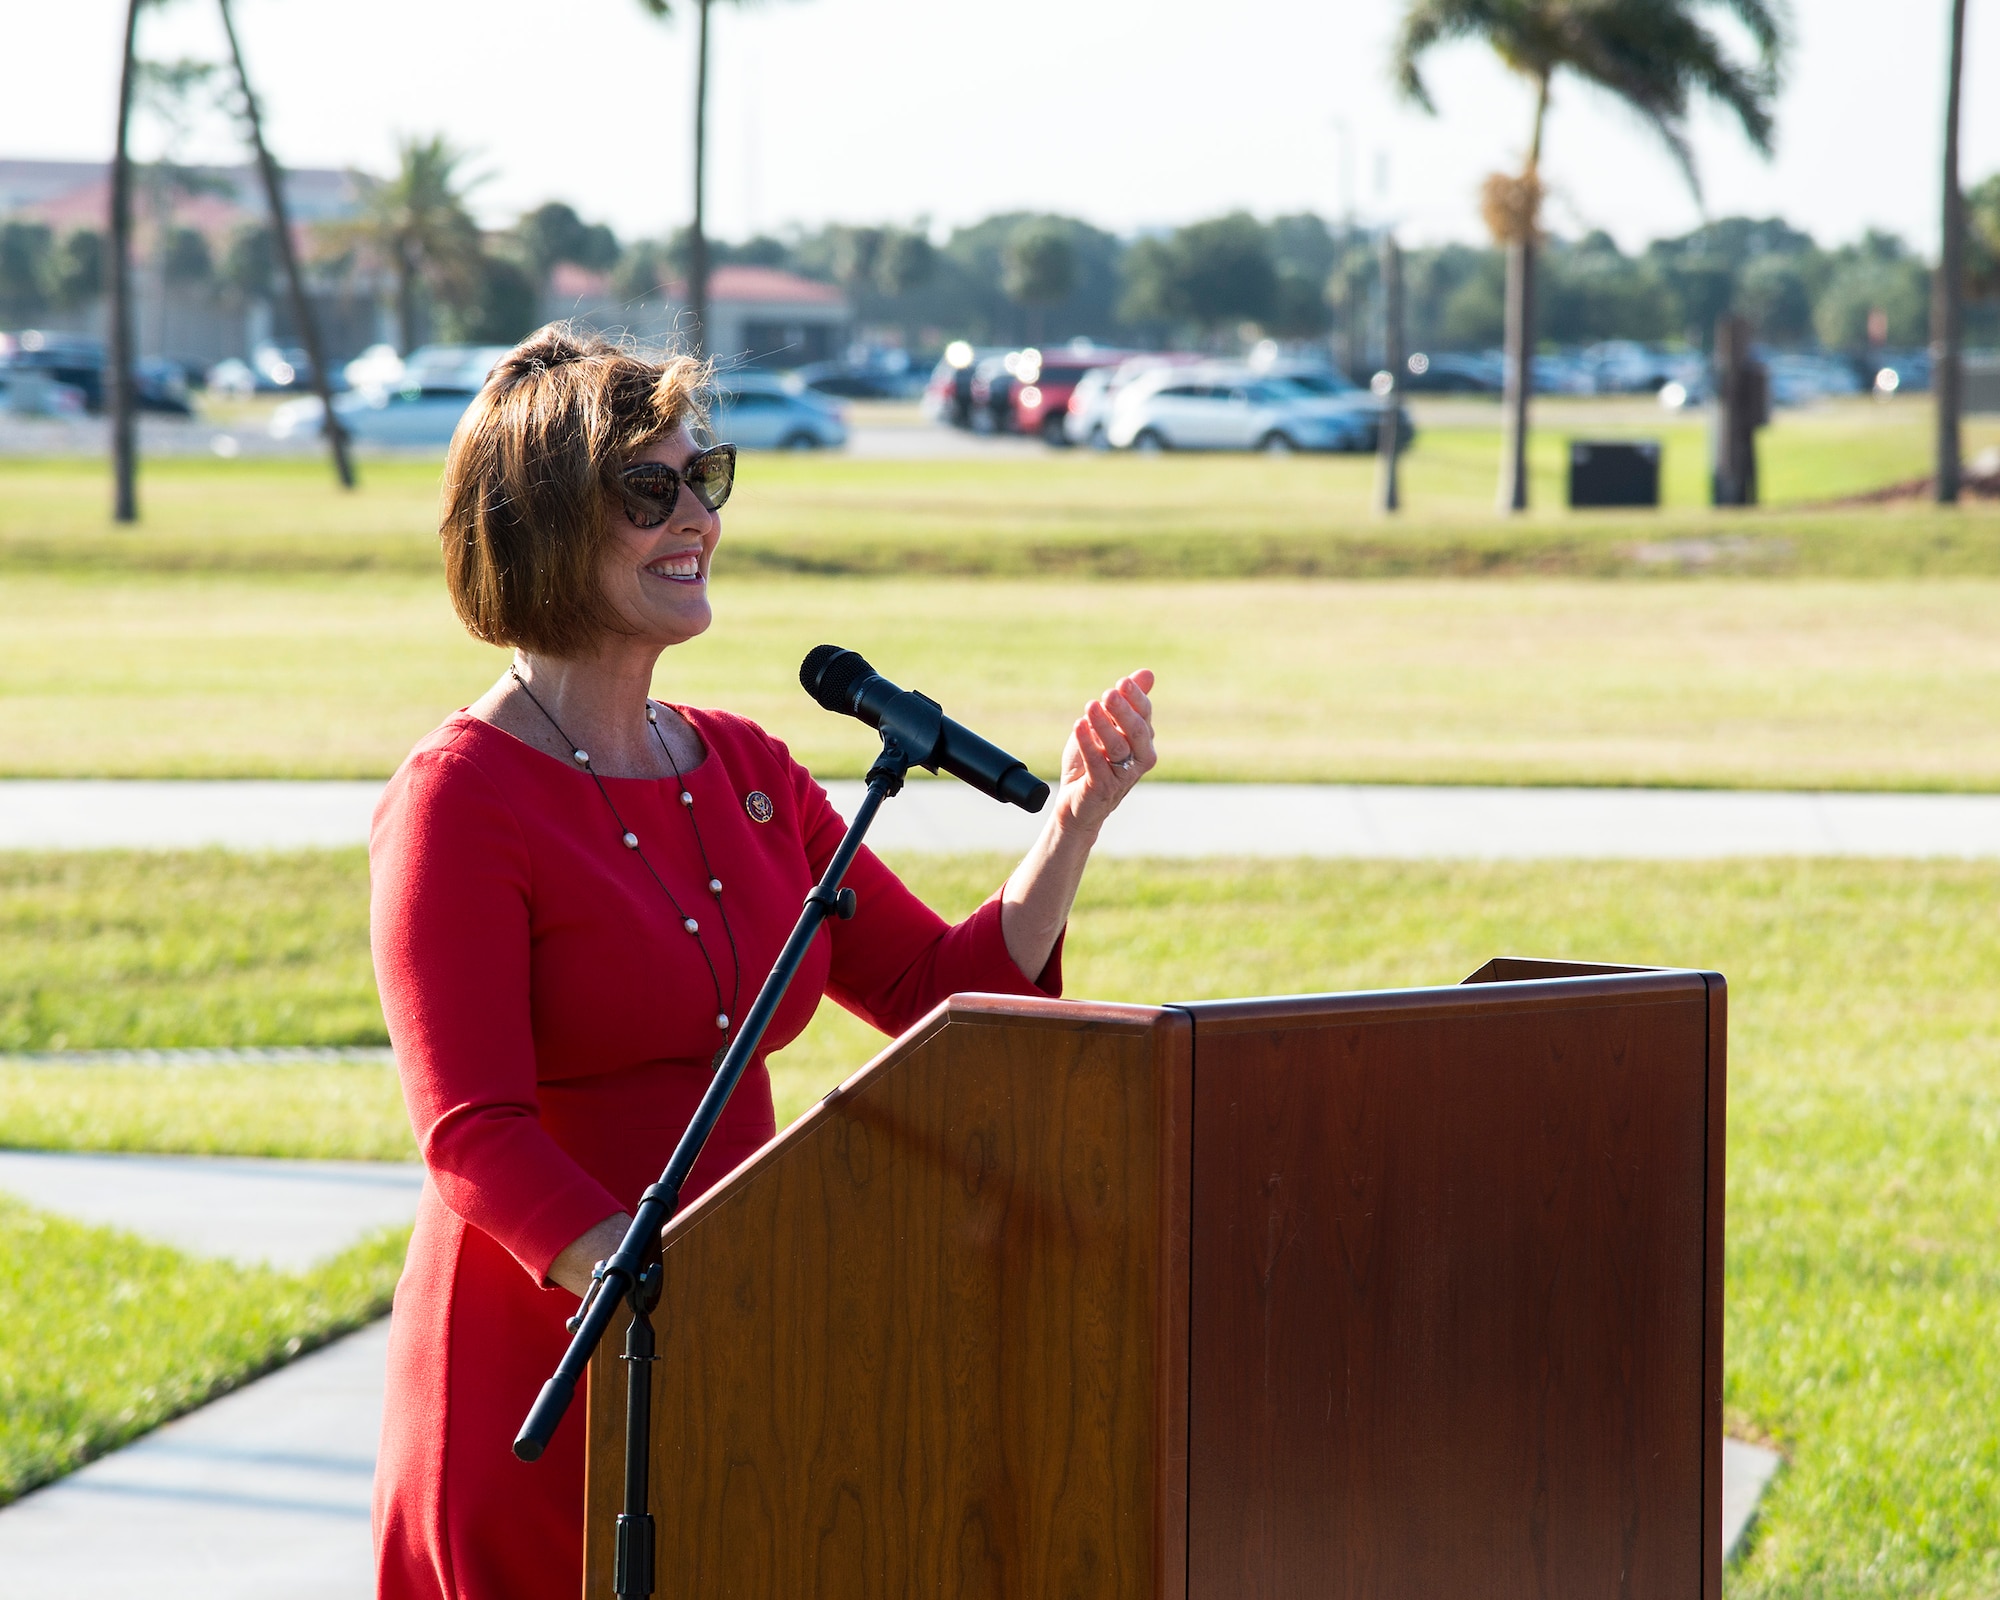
[842, 681]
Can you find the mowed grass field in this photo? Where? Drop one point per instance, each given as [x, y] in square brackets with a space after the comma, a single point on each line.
[1863, 1260]
[260, 623]
[1892, 683]
[1080, 513]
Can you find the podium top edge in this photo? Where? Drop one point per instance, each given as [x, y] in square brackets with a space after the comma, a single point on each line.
[974, 1007]
[1650, 985]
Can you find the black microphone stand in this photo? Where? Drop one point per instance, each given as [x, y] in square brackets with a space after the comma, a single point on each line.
[633, 1272]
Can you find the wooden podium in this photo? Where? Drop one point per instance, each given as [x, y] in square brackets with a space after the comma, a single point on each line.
[1411, 1293]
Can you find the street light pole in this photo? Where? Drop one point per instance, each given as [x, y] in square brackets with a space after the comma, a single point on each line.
[124, 445]
[1948, 290]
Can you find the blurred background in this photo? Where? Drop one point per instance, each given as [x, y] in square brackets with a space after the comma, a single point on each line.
[901, 198]
[1552, 410]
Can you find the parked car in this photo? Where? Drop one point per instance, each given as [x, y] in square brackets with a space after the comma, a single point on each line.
[1625, 366]
[1898, 371]
[423, 408]
[947, 396]
[761, 411]
[1097, 392]
[1089, 407]
[25, 392]
[1195, 409]
[1315, 377]
[76, 361]
[1045, 383]
[1562, 374]
[1798, 378]
[882, 375]
[992, 393]
[377, 367]
[1447, 373]
[1328, 383]
[271, 369]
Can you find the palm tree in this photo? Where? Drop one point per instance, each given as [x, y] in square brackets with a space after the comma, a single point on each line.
[1948, 288]
[419, 222]
[281, 237]
[124, 454]
[1655, 55]
[1039, 269]
[697, 258]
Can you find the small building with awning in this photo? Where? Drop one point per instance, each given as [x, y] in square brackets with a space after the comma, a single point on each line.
[757, 316]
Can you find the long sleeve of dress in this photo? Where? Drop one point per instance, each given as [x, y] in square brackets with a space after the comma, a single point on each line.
[898, 958]
[449, 898]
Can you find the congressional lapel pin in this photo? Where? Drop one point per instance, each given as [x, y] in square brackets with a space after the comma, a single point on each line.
[758, 804]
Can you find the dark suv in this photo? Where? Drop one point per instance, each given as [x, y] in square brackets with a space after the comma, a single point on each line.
[79, 361]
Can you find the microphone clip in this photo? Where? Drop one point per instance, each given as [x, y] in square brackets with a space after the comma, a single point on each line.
[912, 728]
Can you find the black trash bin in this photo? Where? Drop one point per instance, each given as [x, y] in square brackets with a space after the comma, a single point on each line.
[1614, 472]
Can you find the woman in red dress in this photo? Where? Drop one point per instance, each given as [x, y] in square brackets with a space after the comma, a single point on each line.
[577, 890]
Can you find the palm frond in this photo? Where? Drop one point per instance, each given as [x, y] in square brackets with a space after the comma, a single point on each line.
[1655, 55]
[1428, 23]
[1769, 23]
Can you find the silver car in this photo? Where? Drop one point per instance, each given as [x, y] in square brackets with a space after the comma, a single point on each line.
[761, 411]
[422, 407]
[1219, 410]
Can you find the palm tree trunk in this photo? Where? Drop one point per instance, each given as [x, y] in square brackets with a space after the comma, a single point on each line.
[281, 227]
[698, 238]
[1519, 382]
[1948, 288]
[1388, 442]
[406, 297]
[124, 453]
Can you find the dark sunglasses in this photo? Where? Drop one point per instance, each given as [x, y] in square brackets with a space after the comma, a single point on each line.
[651, 488]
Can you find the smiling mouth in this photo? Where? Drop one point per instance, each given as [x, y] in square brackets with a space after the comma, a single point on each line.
[677, 569]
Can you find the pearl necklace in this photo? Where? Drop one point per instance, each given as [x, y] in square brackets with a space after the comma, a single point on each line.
[631, 842]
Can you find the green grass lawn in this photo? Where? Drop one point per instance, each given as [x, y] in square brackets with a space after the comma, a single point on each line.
[107, 1335]
[1082, 513]
[148, 951]
[1835, 683]
[1864, 1230]
[260, 623]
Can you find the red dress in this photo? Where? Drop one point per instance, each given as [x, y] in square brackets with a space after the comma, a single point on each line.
[554, 1026]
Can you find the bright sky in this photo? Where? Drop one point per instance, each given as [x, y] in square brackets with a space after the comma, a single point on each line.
[1131, 113]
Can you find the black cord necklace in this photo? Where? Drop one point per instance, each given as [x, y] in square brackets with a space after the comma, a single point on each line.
[724, 1018]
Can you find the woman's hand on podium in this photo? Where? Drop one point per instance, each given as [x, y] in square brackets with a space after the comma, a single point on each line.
[571, 1270]
[1110, 749]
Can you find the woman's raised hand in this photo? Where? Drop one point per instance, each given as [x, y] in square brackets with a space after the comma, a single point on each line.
[1110, 749]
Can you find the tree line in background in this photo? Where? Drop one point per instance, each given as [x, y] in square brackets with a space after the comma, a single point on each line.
[1212, 282]
[1021, 278]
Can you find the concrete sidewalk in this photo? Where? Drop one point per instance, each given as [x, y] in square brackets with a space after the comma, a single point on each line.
[283, 1214]
[265, 1492]
[1359, 821]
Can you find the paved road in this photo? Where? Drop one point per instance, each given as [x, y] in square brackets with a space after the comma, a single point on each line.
[1394, 822]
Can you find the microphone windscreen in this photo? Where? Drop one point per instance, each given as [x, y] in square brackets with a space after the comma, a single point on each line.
[829, 672]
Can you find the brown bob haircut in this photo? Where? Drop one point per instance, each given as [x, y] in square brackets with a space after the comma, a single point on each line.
[532, 479]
